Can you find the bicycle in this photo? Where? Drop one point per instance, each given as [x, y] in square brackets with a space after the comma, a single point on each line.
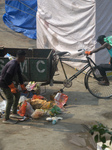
[92, 76]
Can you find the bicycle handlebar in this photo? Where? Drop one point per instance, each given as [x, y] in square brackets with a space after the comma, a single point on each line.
[82, 52]
[61, 54]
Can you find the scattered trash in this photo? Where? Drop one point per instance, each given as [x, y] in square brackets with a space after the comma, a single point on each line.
[60, 99]
[31, 85]
[53, 119]
[25, 109]
[22, 99]
[55, 111]
[29, 110]
[38, 113]
[2, 114]
[37, 106]
[52, 97]
[22, 109]
[9, 56]
[38, 97]
[3, 106]
[41, 104]
[36, 88]
[49, 118]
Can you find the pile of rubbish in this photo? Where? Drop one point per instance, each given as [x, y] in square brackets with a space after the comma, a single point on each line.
[38, 106]
[35, 106]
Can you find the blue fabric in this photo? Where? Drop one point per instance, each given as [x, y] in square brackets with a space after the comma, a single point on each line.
[20, 16]
[110, 52]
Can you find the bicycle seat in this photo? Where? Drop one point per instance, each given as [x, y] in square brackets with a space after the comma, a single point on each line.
[61, 53]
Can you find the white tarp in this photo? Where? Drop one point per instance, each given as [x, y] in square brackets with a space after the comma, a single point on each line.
[73, 24]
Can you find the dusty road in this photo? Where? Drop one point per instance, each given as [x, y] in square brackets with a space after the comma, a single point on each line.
[68, 134]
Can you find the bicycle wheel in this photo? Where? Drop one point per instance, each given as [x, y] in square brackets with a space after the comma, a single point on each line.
[99, 91]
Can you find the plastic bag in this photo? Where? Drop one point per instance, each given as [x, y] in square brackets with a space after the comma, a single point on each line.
[53, 119]
[41, 104]
[37, 97]
[22, 99]
[10, 57]
[33, 86]
[30, 86]
[46, 105]
[22, 109]
[29, 110]
[25, 109]
[60, 99]
[38, 113]
[55, 111]
[37, 103]
[3, 105]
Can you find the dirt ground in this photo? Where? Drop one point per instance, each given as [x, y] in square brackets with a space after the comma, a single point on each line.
[71, 133]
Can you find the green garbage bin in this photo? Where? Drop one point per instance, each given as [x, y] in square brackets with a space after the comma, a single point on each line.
[37, 65]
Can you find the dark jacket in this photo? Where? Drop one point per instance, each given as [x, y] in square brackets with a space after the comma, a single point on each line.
[10, 70]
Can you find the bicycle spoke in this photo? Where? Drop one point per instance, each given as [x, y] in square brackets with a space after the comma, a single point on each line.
[97, 90]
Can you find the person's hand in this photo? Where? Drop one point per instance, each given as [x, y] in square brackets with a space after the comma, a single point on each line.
[13, 89]
[88, 52]
[23, 88]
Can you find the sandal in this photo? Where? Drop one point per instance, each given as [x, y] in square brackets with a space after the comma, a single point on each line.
[104, 83]
[9, 121]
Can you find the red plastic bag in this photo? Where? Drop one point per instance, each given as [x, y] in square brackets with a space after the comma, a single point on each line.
[22, 109]
[37, 97]
[60, 99]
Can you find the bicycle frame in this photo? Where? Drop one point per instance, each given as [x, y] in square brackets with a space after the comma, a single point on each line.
[89, 61]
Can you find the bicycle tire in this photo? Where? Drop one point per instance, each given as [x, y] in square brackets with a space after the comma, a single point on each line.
[99, 91]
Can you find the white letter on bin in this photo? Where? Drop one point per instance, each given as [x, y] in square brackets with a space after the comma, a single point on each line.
[24, 66]
[40, 62]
